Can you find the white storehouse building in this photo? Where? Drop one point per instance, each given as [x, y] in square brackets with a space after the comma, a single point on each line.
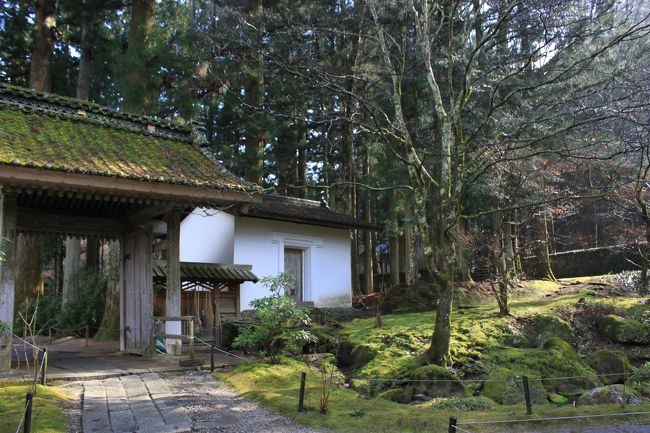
[281, 234]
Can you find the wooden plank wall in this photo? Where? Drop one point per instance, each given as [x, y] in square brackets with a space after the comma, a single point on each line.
[138, 291]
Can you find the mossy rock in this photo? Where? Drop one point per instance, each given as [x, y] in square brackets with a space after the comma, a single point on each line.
[556, 343]
[398, 395]
[574, 377]
[542, 327]
[640, 382]
[611, 367]
[549, 364]
[363, 387]
[506, 387]
[360, 356]
[443, 382]
[610, 394]
[558, 399]
[621, 330]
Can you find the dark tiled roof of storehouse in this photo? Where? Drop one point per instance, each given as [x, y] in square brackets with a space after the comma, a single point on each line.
[49, 132]
[282, 208]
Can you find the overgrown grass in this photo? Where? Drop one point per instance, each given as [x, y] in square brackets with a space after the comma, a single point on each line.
[478, 335]
[47, 409]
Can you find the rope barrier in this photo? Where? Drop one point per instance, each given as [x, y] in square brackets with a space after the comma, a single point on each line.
[68, 330]
[556, 418]
[22, 418]
[27, 343]
[217, 349]
[461, 429]
[379, 379]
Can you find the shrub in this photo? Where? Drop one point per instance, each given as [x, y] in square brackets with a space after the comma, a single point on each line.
[280, 322]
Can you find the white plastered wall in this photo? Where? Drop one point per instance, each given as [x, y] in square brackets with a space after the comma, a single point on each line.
[208, 236]
[327, 275]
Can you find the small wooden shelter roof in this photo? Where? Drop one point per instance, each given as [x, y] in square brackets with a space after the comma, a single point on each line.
[199, 272]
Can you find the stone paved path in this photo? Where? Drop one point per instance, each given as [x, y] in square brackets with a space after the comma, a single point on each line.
[138, 403]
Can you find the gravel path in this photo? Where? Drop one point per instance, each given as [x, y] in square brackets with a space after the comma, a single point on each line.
[211, 406]
[215, 408]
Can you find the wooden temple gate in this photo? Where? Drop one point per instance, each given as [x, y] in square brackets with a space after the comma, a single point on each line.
[71, 168]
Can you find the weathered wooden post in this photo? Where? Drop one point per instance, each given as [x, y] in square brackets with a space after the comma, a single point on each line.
[301, 397]
[212, 357]
[44, 367]
[192, 337]
[27, 425]
[8, 214]
[87, 332]
[173, 294]
[452, 424]
[529, 405]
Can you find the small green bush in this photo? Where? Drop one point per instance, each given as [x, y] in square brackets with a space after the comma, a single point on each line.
[280, 322]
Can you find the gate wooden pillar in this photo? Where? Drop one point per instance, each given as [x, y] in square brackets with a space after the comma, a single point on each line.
[173, 294]
[8, 212]
[137, 292]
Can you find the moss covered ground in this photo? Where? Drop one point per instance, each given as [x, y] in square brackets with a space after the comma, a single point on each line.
[483, 343]
[47, 412]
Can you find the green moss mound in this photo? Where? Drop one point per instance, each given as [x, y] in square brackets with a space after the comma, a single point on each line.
[437, 382]
[398, 395]
[611, 367]
[504, 386]
[621, 330]
[542, 327]
[574, 376]
[556, 343]
[558, 399]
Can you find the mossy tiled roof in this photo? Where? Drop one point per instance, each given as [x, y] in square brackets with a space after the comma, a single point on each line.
[83, 139]
[282, 208]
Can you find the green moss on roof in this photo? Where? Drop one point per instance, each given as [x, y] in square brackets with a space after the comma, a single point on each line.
[8, 90]
[78, 145]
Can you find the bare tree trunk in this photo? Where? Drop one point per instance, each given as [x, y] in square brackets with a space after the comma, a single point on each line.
[543, 254]
[137, 99]
[515, 244]
[347, 137]
[71, 270]
[109, 327]
[44, 37]
[394, 252]
[409, 247]
[500, 278]
[92, 254]
[29, 278]
[255, 140]
[86, 58]
[368, 247]
[59, 253]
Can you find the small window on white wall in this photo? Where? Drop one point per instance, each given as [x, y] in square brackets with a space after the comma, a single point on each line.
[294, 265]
